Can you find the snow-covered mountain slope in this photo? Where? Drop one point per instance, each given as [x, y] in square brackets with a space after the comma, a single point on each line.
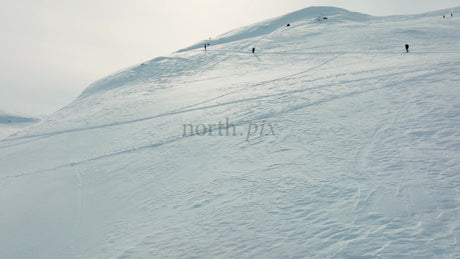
[7, 118]
[312, 14]
[329, 142]
[11, 123]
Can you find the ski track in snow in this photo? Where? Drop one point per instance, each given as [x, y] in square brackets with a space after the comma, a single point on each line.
[154, 145]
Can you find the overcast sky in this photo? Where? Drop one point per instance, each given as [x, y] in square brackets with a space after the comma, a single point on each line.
[51, 50]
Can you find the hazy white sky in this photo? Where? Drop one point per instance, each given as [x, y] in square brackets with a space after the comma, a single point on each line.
[51, 50]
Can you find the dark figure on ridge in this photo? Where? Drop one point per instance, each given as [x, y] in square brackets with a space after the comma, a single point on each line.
[407, 48]
[253, 50]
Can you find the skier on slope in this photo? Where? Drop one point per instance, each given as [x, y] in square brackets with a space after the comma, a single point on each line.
[407, 48]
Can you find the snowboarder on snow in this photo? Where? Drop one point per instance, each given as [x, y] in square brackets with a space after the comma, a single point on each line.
[407, 48]
[253, 50]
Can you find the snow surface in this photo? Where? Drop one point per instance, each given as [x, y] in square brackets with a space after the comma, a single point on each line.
[359, 157]
[11, 123]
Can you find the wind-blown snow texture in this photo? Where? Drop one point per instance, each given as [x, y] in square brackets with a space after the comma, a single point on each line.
[359, 155]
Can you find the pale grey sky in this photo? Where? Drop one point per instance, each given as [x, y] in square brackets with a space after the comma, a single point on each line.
[51, 50]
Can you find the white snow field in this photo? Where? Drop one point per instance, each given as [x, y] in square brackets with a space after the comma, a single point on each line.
[358, 155]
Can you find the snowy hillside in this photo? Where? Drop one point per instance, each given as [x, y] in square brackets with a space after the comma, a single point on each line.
[6, 118]
[11, 123]
[330, 141]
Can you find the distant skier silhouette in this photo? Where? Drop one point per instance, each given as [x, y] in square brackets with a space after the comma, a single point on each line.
[253, 50]
[407, 48]
[205, 47]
